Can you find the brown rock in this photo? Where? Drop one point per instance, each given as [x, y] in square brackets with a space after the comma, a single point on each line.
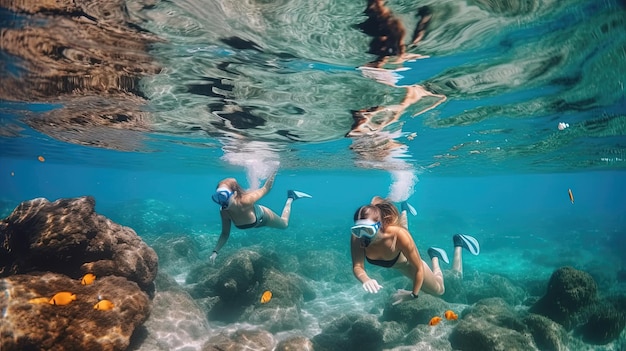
[68, 237]
[76, 326]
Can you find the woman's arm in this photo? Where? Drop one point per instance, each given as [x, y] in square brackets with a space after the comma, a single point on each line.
[409, 250]
[226, 223]
[358, 260]
[254, 196]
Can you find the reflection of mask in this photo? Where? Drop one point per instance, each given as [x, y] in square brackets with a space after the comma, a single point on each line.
[222, 197]
[365, 228]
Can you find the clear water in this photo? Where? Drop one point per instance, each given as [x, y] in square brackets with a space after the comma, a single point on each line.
[148, 124]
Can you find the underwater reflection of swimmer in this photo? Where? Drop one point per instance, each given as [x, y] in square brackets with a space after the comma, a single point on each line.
[374, 119]
[388, 32]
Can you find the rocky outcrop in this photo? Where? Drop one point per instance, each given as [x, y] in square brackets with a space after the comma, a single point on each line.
[68, 237]
[569, 292]
[237, 287]
[46, 247]
[30, 325]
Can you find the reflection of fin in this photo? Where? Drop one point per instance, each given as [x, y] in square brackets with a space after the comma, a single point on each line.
[467, 242]
[405, 206]
[439, 253]
[292, 194]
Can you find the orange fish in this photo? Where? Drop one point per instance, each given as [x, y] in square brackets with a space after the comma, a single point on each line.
[450, 315]
[266, 297]
[103, 305]
[39, 300]
[62, 298]
[41, 159]
[435, 320]
[571, 195]
[88, 279]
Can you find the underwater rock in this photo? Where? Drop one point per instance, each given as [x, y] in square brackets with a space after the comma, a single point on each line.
[475, 334]
[548, 335]
[241, 340]
[602, 323]
[490, 325]
[350, 332]
[239, 284]
[296, 343]
[68, 237]
[282, 312]
[75, 326]
[411, 313]
[176, 253]
[483, 285]
[569, 291]
[176, 322]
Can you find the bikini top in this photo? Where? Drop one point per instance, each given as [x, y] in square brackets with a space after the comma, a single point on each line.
[385, 263]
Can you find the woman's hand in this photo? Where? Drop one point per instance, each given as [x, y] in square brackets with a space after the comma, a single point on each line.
[401, 295]
[372, 286]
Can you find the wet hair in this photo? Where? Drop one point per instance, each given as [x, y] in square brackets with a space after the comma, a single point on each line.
[380, 210]
[232, 184]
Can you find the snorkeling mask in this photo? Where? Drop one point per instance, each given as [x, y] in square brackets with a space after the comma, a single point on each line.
[222, 197]
[365, 228]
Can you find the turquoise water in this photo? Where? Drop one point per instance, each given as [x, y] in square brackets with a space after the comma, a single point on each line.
[186, 107]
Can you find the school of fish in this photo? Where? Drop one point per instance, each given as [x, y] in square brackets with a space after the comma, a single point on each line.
[65, 297]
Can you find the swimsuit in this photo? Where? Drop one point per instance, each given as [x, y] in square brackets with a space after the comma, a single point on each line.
[383, 263]
[259, 222]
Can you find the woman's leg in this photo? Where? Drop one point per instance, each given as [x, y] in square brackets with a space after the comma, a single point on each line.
[433, 279]
[271, 219]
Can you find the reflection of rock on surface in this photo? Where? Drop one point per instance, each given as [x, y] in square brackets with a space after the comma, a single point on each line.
[92, 64]
[47, 247]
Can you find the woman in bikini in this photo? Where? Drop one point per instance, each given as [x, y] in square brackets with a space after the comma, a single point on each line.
[239, 207]
[381, 237]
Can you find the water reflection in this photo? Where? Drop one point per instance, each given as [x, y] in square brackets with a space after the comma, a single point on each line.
[376, 130]
[87, 56]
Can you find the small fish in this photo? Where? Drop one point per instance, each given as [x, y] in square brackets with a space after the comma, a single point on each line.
[40, 300]
[88, 279]
[266, 297]
[41, 159]
[62, 298]
[12, 174]
[450, 315]
[571, 195]
[103, 305]
[435, 320]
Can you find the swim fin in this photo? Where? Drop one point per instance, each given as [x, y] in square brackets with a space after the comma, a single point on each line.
[292, 194]
[439, 253]
[467, 242]
[405, 206]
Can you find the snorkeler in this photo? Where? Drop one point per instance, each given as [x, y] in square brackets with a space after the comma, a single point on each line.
[380, 236]
[239, 207]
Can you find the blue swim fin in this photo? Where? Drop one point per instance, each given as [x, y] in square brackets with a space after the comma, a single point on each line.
[293, 194]
[405, 206]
